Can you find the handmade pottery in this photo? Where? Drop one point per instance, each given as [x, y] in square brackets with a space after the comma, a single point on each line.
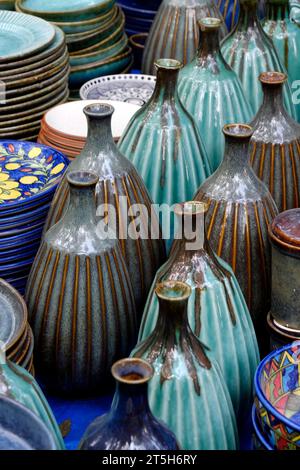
[79, 297]
[212, 92]
[216, 306]
[259, 442]
[230, 10]
[129, 425]
[240, 210]
[121, 187]
[280, 337]
[249, 51]
[285, 238]
[275, 144]
[163, 143]
[174, 34]
[199, 410]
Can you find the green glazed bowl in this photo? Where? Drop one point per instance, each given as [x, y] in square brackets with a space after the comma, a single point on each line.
[103, 44]
[85, 26]
[100, 55]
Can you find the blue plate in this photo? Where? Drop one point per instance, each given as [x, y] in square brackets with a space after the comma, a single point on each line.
[135, 11]
[20, 240]
[27, 217]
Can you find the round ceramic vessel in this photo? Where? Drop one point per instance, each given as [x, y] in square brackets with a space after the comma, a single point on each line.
[259, 441]
[278, 336]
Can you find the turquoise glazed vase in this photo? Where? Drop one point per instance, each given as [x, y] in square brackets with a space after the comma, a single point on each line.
[285, 34]
[164, 144]
[275, 144]
[129, 425]
[174, 32]
[119, 191]
[216, 307]
[187, 391]
[79, 297]
[240, 208]
[212, 92]
[250, 52]
[18, 384]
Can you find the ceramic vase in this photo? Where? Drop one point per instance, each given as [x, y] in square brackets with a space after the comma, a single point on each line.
[79, 297]
[285, 34]
[187, 391]
[174, 31]
[250, 52]
[230, 10]
[216, 308]
[240, 210]
[275, 144]
[18, 384]
[119, 191]
[212, 92]
[164, 144]
[129, 425]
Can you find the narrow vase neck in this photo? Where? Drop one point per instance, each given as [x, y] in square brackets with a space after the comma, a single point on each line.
[166, 86]
[273, 100]
[82, 206]
[209, 49]
[248, 17]
[172, 321]
[236, 156]
[130, 401]
[99, 133]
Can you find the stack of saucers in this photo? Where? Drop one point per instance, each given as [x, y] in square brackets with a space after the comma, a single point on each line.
[94, 32]
[34, 70]
[64, 127]
[29, 174]
[16, 337]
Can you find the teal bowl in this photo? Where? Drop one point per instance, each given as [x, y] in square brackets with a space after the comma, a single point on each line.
[103, 44]
[101, 55]
[74, 27]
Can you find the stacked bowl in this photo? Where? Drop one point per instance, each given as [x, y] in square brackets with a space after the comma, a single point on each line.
[34, 70]
[29, 174]
[94, 32]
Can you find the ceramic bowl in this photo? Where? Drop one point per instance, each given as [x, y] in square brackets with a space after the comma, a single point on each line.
[100, 55]
[137, 43]
[259, 440]
[277, 388]
[102, 44]
[74, 27]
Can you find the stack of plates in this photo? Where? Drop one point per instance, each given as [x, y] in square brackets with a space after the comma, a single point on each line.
[94, 32]
[15, 333]
[34, 69]
[139, 14]
[29, 174]
[65, 127]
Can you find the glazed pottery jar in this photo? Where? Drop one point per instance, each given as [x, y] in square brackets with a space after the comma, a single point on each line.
[285, 238]
[240, 210]
[279, 336]
[216, 307]
[230, 11]
[249, 51]
[212, 92]
[17, 383]
[120, 188]
[164, 144]
[79, 297]
[275, 144]
[285, 34]
[187, 391]
[129, 425]
[174, 32]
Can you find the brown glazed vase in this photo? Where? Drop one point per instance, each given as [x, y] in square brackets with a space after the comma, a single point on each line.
[79, 296]
[275, 152]
[240, 210]
[121, 187]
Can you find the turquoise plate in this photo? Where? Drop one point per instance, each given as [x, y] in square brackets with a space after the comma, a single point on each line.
[22, 35]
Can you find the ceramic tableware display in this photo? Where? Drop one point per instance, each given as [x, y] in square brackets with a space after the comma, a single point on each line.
[163, 143]
[122, 189]
[29, 176]
[240, 210]
[66, 10]
[137, 43]
[187, 391]
[277, 397]
[79, 297]
[285, 34]
[21, 429]
[212, 92]
[139, 14]
[174, 34]
[64, 127]
[129, 425]
[249, 51]
[275, 144]
[134, 89]
[216, 307]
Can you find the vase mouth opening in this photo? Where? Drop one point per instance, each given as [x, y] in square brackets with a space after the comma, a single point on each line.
[82, 179]
[132, 371]
[191, 208]
[273, 78]
[209, 24]
[168, 64]
[173, 291]
[238, 131]
[98, 110]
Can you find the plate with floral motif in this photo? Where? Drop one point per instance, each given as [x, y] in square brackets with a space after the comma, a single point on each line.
[28, 171]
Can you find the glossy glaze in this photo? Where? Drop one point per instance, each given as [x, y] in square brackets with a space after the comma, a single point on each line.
[187, 391]
[212, 92]
[174, 33]
[129, 425]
